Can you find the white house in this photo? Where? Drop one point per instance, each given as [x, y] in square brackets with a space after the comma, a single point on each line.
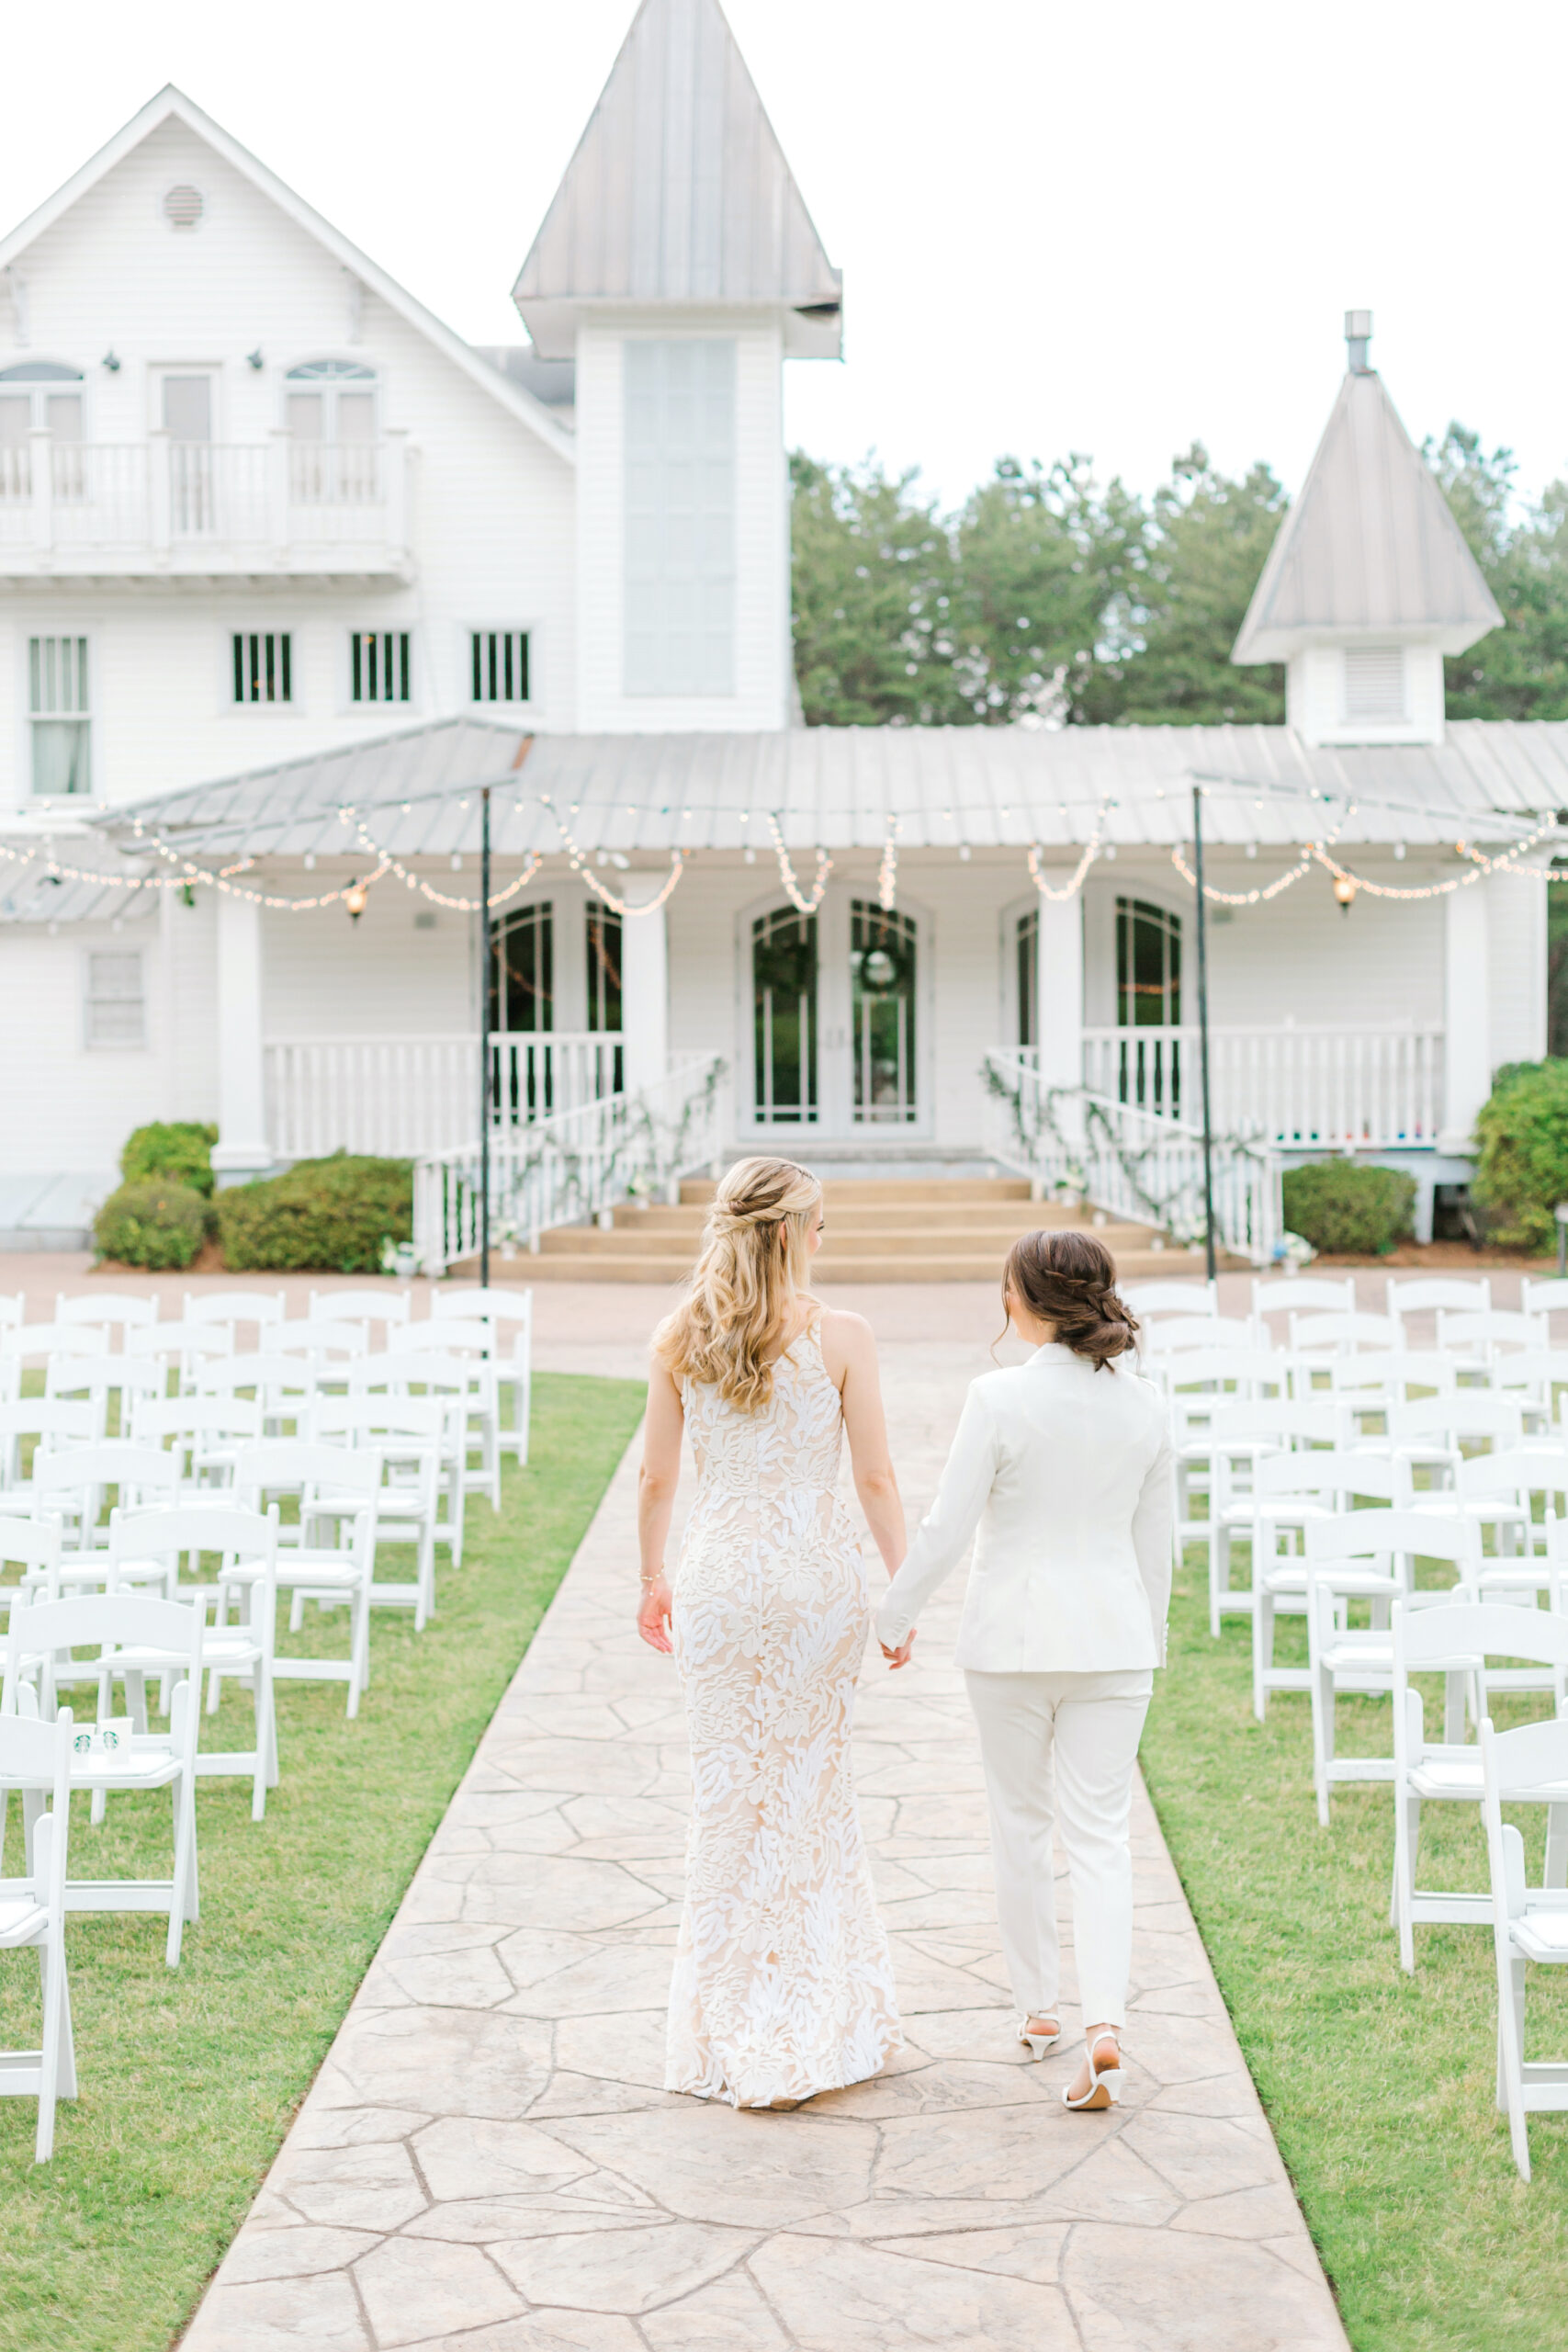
[288, 574]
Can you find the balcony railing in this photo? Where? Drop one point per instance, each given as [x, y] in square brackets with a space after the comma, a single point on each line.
[1331, 1088]
[200, 507]
[409, 1096]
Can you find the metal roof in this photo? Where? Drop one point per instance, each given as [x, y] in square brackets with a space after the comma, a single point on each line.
[1369, 547]
[678, 192]
[415, 793]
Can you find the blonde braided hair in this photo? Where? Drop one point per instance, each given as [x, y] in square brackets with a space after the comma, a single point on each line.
[751, 1272]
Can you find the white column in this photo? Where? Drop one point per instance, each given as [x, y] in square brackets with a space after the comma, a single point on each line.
[1467, 1016]
[1060, 1024]
[242, 1148]
[645, 990]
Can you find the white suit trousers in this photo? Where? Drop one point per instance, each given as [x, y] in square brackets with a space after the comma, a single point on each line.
[1063, 1746]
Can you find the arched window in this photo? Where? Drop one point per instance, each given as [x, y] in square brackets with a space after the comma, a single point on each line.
[332, 421]
[1148, 998]
[783, 1013]
[882, 997]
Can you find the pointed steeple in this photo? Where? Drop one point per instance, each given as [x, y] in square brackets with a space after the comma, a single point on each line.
[679, 194]
[1370, 549]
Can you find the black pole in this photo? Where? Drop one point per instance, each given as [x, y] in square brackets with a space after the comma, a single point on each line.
[484, 1038]
[1203, 1029]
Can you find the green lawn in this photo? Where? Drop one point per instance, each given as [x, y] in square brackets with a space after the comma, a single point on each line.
[189, 2077]
[1380, 2087]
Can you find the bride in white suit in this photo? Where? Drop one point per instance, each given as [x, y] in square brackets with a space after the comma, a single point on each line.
[1065, 1465]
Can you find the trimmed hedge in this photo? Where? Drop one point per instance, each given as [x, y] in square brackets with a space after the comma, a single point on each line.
[175, 1151]
[158, 1225]
[1522, 1171]
[322, 1216]
[1343, 1205]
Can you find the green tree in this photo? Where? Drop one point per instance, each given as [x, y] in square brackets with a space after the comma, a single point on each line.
[1208, 540]
[872, 590]
[1521, 669]
[1043, 556]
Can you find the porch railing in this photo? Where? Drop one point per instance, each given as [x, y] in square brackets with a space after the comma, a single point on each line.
[147, 504]
[1335, 1089]
[570, 1166]
[1074, 1142]
[404, 1096]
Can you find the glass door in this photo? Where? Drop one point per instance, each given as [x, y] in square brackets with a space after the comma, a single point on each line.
[882, 1017]
[188, 421]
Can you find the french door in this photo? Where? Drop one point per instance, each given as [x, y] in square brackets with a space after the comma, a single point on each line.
[836, 1029]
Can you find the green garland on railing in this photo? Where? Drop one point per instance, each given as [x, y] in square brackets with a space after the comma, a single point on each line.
[1163, 1211]
[642, 1140]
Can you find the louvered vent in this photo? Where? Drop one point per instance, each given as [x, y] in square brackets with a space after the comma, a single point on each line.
[182, 207]
[1374, 683]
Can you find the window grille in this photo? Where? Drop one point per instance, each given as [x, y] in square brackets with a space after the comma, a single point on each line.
[499, 664]
[1374, 683]
[264, 666]
[379, 666]
[60, 714]
[116, 1006]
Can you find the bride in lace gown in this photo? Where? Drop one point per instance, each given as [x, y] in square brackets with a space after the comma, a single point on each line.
[783, 1984]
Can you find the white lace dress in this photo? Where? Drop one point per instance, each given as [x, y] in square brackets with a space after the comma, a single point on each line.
[784, 1980]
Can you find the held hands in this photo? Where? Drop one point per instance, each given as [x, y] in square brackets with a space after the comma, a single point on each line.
[901, 1656]
[653, 1613]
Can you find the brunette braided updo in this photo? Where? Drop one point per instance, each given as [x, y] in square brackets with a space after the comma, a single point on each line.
[1070, 1280]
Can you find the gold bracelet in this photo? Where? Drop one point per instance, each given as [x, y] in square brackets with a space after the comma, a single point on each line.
[657, 1577]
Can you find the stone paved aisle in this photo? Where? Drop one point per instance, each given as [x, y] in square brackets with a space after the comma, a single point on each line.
[487, 2161]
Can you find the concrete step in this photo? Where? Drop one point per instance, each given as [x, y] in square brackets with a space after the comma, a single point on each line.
[905, 1191]
[1000, 1217]
[1134, 1264]
[626, 1244]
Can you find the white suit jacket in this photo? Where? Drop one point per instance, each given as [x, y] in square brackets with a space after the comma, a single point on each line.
[1066, 1471]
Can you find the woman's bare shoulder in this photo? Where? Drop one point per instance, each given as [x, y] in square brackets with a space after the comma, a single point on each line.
[847, 1339]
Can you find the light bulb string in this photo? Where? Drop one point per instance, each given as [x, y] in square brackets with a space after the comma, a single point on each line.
[787, 878]
[628, 908]
[888, 872]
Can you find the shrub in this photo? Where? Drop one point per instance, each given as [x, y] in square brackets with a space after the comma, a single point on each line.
[322, 1216]
[179, 1150]
[1522, 1171]
[159, 1226]
[1343, 1205]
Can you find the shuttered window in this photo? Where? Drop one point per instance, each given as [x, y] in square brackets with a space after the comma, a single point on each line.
[116, 1005]
[60, 714]
[498, 662]
[264, 666]
[679, 582]
[1374, 683]
[379, 666]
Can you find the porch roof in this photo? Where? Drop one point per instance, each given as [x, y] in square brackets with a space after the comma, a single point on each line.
[415, 793]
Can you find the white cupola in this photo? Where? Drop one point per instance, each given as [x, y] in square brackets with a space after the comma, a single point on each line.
[679, 266]
[1370, 581]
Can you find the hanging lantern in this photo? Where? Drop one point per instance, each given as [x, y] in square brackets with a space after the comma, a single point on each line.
[356, 898]
[1345, 888]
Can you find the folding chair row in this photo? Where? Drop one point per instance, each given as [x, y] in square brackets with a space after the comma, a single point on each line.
[35, 1760]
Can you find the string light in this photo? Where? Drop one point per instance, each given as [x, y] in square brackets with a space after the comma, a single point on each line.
[792, 889]
[888, 872]
[578, 858]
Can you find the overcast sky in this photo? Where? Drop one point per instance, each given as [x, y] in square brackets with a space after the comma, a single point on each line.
[1100, 228]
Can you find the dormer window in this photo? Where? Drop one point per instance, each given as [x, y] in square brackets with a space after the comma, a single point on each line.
[1374, 684]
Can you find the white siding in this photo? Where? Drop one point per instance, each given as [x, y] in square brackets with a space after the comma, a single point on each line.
[1516, 952]
[1316, 698]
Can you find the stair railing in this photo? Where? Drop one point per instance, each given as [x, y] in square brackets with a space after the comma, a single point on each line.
[572, 1166]
[1073, 1143]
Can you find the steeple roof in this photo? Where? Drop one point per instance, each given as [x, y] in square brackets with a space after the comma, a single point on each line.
[1369, 547]
[679, 193]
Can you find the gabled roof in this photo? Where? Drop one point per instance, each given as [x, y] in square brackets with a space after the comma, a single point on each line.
[172, 105]
[680, 193]
[1369, 547]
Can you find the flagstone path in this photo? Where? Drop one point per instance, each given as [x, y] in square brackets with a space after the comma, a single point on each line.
[486, 2162]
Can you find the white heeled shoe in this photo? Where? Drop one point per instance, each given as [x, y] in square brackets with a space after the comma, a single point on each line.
[1105, 2082]
[1037, 2044]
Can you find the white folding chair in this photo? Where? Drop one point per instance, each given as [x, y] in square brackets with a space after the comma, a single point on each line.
[1298, 1293]
[1212, 1333]
[1366, 1556]
[1498, 1490]
[384, 1306]
[1291, 1494]
[1455, 1639]
[12, 1308]
[1146, 1299]
[243, 1537]
[513, 1310]
[34, 1758]
[181, 1346]
[466, 1379]
[202, 1433]
[1431, 1433]
[415, 1440]
[96, 1379]
[131, 1634]
[122, 1311]
[313, 1335]
[339, 1487]
[1537, 1378]
[258, 1307]
[1241, 1432]
[71, 1486]
[1493, 1328]
[1402, 1374]
[1528, 1766]
[282, 1385]
[1342, 1334]
[1424, 1293]
[33, 1546]
[52, 1422]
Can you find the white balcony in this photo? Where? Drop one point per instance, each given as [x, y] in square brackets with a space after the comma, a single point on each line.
[204, 510]
[1331, 1090]
[410, 1096]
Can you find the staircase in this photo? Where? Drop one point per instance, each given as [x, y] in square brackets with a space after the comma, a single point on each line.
[909, 1230]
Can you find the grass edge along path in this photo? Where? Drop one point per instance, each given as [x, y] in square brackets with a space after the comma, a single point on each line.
[1379, 2087]
[190, 2078]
